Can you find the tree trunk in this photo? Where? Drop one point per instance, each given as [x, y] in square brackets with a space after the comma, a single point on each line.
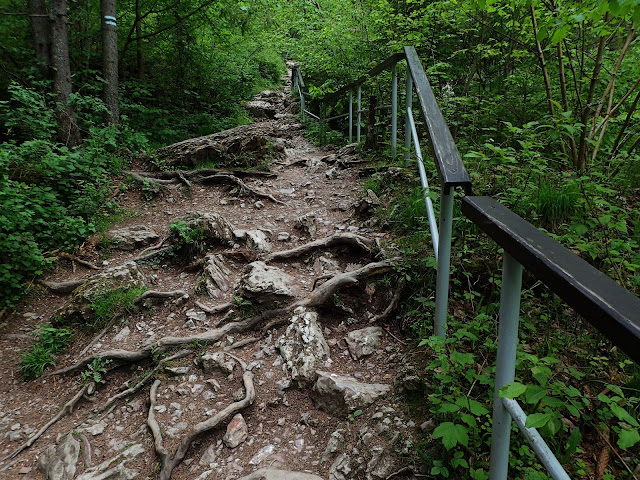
[68, 129]
[139, 57]
[110, 60]
[41, 31]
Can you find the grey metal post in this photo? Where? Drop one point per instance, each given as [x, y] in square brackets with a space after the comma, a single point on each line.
[394, 110]
[444, 262]
[351, 116]
[359, 113]
[506, 364]
[301, 102]
[407, 120]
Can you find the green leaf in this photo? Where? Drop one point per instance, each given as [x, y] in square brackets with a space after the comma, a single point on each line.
[573, 442]
[622, 414]
[512, 390]
[628, 438]
[452, 434]
[537, 420]
[534, 394]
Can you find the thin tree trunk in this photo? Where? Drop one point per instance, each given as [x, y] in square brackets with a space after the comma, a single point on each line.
[68, 129]
[110, 60]
[543, 63]
[139, 57]
[41, 31]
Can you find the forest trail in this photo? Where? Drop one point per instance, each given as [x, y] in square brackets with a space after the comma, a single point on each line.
[262, 350]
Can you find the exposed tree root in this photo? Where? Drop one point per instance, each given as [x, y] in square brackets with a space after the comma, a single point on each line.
[216, 309]
[156, 246]
[159, 294]
[63, 287]
[169, 462]
[324, 292]
[241, 343]
[67, 408]
[200, 176]
[73, 258]
[392, 305]
[163, 344]
[335, 239]
[174, 175]
[149, 256]
[146, 379]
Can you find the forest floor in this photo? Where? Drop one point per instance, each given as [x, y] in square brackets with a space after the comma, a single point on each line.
[272, 350]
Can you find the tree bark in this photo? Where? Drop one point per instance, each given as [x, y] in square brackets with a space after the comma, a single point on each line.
[139, 56]
[41, 31]
[110, 60]
[68, 129]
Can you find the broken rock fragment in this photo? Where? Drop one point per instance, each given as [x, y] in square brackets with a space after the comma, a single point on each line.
[214, 227]
[340, 395]
[274, 474]
[237, 432]
[363, 342]
[59, 463]
[135, 236]
[216, 275]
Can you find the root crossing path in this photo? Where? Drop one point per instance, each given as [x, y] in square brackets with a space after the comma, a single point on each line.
[248, 330]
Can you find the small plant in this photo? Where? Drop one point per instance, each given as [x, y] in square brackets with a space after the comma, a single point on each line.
[51, 341]
[355, 415]
[112, 303]
[95, 371]
[246, 308]
[149, 190]
[187, 238]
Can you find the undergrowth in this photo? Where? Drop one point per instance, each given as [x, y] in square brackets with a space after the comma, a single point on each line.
[50, 342]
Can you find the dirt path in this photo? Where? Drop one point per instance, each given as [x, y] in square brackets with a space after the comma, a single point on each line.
[316, 386]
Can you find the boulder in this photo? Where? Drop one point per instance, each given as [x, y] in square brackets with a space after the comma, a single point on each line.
[79, 306]
[363, 342]
[115, 468]
[340, 395]
[217, 361]
[264, 284]
[307, 223]
[59, 462]
[216, 275]
[303, 346]
[274, 474]
[254, 239]
[135, 236]
[260, 109]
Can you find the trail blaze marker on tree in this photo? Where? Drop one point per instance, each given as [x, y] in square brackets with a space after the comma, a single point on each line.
[110, 21]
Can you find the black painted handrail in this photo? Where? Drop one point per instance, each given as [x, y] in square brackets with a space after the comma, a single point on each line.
[605, 304]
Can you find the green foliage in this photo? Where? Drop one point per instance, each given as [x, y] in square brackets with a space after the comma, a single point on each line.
[186, 238]
[95, 371]
[50, 342]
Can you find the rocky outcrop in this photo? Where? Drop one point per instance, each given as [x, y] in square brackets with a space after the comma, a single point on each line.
[254, 240]
[59, 462]
[80, 306]
[216, 275]
[135, 236]
[264, 284]
[115, 468]
[303, 346]
[274, 474]
[215, 228]
[340, 395]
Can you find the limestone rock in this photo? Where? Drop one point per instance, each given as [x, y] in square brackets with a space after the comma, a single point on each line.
[340, 395]
[307, 223]
[274, 474]
[237, 432]
[217, 361]
[254, 239]
[208, 457]
[363, 342]
[59, 463]
[303, 346]
[216, 274]
[78, 307]
[135, 236]
[260, 109]
[265, 284]
[214, 227]
[115, 468]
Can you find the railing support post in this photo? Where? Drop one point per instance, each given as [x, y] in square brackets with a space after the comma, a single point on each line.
[394, 110]
[359, 113]
[444, 262]
[301, 102]
[351, 116]
[407, 120]
[506, 364]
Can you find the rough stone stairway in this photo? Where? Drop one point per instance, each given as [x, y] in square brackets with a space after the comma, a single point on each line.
[261, 349]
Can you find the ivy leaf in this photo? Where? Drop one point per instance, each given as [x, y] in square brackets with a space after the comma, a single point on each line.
[537, 420]
[628, 438]
[452, 434]
[512, 390]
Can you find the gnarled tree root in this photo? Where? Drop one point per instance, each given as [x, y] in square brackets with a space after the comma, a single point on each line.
[324, 292]
[63, 287]
[169, 462]
[350, 239]
[198, 176]
[393, 304]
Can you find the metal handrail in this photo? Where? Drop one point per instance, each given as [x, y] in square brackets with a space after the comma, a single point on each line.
[605, 304]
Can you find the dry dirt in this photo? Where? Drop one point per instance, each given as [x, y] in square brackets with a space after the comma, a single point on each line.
[286, 419]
